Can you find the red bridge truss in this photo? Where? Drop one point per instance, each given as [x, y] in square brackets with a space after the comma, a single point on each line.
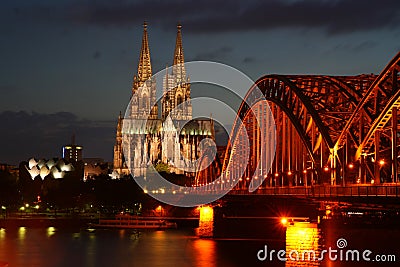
[333, 130]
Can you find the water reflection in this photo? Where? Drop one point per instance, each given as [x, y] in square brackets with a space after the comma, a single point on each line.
[303, 244]
[51, 231]
[2, 234]
[21, 233]
[204, 251]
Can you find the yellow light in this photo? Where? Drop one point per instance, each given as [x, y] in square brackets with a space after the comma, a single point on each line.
[27, 205]
[289, 173]
[304, 171]
[206, 214]
[22, 208]
[381, 162]
[326, 168]
[3, 208]
[50, 231]
[284, 221]
[372, 181]
[351, 166]
[276, 174]
[328, 212]
[37, 207]
[145, 191]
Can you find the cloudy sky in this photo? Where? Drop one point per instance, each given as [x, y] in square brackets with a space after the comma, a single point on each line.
[67, 66]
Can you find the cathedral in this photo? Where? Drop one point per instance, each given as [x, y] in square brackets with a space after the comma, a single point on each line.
[146, 137]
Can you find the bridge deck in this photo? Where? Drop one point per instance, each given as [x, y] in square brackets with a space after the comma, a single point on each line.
[327, 191]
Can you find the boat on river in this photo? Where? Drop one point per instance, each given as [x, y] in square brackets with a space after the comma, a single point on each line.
[134, 222]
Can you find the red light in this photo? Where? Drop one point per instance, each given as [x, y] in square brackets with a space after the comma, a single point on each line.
[351, 166]
[381, 162]
[289, 173]
[326, 168]
[276, 174]
[304, 171]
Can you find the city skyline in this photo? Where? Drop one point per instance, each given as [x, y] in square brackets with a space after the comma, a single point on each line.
[77, 60]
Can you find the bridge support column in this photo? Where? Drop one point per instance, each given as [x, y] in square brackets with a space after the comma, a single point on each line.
[333, 168]
[206, 223]
[361, 171]
[394, 145]
[377, 168]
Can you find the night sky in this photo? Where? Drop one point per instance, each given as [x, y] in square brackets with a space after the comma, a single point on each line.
[67, 66]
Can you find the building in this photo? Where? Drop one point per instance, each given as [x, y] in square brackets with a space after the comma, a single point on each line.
[72, 152]
[54, 168]
[150, 137]
[94, 167]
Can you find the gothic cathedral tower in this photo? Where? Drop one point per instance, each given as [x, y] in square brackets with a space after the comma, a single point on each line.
[149, 140]
[144, 87]
[176, 87]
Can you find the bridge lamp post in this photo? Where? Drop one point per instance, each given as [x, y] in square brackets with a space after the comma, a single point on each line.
[381, 163]
[350, 167]
[326, 170]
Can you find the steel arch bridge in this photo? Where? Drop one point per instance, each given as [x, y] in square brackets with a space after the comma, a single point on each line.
[333, 130]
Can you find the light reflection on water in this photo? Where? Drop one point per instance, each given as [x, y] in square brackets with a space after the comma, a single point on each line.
[54, 247]
[204, 252]
[302, 241]
[33, 247]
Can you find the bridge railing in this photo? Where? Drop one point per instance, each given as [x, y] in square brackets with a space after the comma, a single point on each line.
[327, 191]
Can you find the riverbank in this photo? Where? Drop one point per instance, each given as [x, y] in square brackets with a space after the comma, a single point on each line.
[39, 222]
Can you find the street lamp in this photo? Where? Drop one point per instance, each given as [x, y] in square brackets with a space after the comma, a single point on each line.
[159, 209]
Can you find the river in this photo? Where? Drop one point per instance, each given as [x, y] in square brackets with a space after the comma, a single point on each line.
[51, 247]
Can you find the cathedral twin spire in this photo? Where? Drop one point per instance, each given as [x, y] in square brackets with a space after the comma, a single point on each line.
[176, 88]
[144, 67]
[178, 68]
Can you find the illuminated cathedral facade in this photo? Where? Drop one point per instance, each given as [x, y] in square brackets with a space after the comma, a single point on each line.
[149, 137]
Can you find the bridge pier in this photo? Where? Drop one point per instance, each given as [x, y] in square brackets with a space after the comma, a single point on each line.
[206, 223]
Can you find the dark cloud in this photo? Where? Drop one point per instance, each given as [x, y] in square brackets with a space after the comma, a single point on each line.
[216, 54]
[31, 134]
[353, 47]
[248, 60]
[9, 88]
[207, 16]
[365, 46]
[96, 54]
